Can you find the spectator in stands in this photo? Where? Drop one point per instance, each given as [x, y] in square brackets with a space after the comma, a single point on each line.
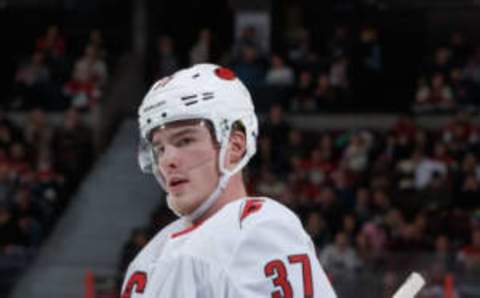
[470, 165]
[461, 89]
[319, 167]
[339, 75]
[441, 62]
[92, 66]
[340, 257]
[394, 223]
[31, 81]
[248, 67]
[318, 230]
[276, 127]
[327, 146]
[82, 91]
[355, 155]
[344, 181]
[294, 147]
[52, 43]
[472, 69]
[404, 132]
[25, 205]
[326, 201]
[48, 188]
[381, 203]
[248, 39]
[441, 154]
[72, 143]
[368, 63]
[437, 96]
[264, 157]
[6, 183]
[349, 226]
[340, 45]
[6, 132]
[469, 194]
[279, 74]
[138, 239]
[269, 184]
[426, 169]
[459, 49]
[300, 51]
[38, 133]
[30, 232]
[203, 50]
[19, 160]
[469, 255]
[362, 206]
[303, 99]
[31, 217]
[367, 256]
[8, 231]
[324, 93]
[96, 40]
[443, 252]
[166, 62]
[411, 239]
[460, 134]
[469, 178]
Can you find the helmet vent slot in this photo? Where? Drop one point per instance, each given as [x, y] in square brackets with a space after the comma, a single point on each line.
[208, 95]
[189, 97]
[191, 102]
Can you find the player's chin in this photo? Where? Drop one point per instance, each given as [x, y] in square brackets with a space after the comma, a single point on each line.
[183, 204]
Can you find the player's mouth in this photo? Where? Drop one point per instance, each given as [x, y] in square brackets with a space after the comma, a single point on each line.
[176, 184]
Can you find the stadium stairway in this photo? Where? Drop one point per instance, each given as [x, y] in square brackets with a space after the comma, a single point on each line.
[115, 198]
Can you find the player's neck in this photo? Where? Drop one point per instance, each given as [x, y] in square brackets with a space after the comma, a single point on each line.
[235, 190]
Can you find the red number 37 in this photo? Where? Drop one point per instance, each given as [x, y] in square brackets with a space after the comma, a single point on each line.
[278, 268]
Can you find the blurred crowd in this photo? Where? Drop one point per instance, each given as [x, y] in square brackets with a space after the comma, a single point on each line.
[311, 80]
[40, 165]
[42, 161]
[43, 157]
[363, 194]
[58, 76]
[450, 77]
[346, 71]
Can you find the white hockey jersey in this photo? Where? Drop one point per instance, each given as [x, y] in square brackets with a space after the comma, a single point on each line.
[252, 247]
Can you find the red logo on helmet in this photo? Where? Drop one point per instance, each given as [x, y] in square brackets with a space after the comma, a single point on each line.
[225, 73]
[162, 82]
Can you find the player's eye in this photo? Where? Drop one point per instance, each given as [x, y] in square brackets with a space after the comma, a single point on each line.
[184, 141]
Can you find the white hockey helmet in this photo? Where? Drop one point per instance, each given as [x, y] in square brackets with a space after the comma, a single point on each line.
[204, 92]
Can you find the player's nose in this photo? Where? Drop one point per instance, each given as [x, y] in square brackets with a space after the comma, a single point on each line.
[170, 158]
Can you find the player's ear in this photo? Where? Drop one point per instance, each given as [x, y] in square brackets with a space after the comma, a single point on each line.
[237, 147]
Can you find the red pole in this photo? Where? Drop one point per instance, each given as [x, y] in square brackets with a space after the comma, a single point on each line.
[448, 285]
[89, 284]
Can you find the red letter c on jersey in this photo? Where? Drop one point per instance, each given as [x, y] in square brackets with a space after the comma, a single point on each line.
[137, 280]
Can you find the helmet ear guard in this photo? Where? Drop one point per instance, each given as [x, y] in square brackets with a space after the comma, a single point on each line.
[145, 156]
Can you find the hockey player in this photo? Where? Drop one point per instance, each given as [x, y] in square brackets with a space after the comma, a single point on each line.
[198, 130]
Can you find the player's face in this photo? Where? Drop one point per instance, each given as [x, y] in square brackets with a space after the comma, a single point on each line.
[186, 157]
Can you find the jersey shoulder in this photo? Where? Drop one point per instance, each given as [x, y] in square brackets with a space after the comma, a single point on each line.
[154, 247]
[258, 210]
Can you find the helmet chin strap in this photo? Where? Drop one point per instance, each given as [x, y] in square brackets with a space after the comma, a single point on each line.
[207, 204]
